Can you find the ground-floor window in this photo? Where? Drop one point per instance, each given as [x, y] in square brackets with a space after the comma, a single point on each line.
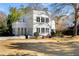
[42, 30]
[21, 31]
[38, 30]
[25, 31]
[47, 30]
[18, 31]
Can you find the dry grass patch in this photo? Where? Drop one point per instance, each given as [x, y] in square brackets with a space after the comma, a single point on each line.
[33, 47]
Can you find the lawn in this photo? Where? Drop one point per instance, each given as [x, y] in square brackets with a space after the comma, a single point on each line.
[40, 47]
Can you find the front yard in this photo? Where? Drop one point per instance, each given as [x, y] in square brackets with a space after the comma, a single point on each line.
[40, 47]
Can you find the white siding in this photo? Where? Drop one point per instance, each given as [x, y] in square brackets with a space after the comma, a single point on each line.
[19, 25]
[29, 22]
[40, 25]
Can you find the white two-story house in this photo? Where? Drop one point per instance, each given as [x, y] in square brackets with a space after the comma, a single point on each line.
[34, 21]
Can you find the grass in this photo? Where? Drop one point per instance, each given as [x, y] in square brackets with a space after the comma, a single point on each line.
[41, 47]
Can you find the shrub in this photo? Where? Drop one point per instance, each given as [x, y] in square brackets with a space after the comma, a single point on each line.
[36, 34]
[52, 33]
[59, 33]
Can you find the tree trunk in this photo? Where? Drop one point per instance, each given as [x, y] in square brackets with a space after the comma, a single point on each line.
[75, 25]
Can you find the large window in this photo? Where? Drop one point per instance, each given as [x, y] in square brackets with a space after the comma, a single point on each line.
[47, 30]
[38, 30]
[21, 31]
[25, 31]
[42, 19]
[38, 19]
[18, 31]
[47, 20]
[42, 30]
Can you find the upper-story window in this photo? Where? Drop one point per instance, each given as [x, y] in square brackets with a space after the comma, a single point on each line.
[42, 19]
[38, 19]
[47, 20]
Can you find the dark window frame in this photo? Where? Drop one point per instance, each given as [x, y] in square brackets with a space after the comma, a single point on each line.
[38, 19]
[38, 30]
[42, 19]
[47, 20]
[42, 30]
[47, 30]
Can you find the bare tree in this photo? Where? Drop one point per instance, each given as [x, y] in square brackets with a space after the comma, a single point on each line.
[58, 7]
[36, 6]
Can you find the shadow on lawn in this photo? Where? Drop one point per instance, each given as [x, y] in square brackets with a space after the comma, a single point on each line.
[51, 48]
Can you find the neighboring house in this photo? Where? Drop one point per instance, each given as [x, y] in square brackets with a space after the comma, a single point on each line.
[34, 21]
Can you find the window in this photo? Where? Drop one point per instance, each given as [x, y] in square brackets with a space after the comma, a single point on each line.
[38, 19]
[47, 30]
[42, 30]
[38, 30]
[18, 31]
[42, 19]
[21, 31]
[47, 20]
[25, 31]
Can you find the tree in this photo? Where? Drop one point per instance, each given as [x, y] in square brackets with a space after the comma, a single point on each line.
[36, 6]
[23, 10]
[61, 24]
[3, 23]
[59, 7]
[76, 17]
[13, 16]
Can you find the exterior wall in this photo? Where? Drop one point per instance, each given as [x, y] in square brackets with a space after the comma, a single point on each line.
[19, 25]
[29, 22]
[53, 25]
[39, 24]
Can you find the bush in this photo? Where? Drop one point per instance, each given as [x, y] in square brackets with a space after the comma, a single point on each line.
[69, 31]
[59, 33]
[52, 33]
[36, 34]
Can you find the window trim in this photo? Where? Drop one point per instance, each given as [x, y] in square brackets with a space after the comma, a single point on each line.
[42, 19]
[47, 20]
[42, 30]
[38, 30]
[47, 30]
[37, 20]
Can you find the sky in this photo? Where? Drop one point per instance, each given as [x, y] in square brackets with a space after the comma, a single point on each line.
[4, 7]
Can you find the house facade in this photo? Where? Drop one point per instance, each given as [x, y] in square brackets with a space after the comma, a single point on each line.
[34, 21]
